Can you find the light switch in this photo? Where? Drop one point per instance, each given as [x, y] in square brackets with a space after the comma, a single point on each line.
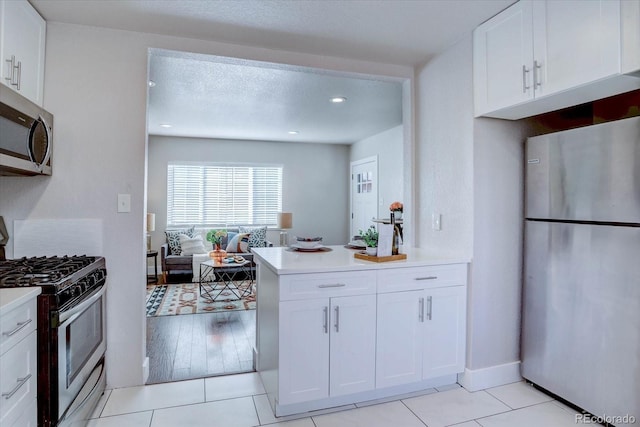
[124, 203]
[436, 221]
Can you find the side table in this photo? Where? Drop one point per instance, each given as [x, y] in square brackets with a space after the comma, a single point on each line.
[154, 255]
[216, 278]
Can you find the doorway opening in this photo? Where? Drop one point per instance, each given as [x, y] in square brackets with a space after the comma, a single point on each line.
[194, 346]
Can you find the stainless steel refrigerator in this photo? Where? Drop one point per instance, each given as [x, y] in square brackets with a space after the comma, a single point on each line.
[581, 307]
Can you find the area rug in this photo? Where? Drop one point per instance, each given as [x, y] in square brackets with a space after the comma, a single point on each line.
[184, 298]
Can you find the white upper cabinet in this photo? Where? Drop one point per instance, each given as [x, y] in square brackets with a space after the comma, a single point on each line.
[574, 42]
[22, 49]
[540, 56]
[503, 59]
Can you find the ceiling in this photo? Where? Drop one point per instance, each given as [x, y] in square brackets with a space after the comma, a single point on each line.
[223, 98]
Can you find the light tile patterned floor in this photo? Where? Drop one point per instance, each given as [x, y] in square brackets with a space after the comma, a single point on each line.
[239, 401]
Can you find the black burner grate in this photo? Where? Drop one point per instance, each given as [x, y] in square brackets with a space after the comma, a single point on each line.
[40, 270]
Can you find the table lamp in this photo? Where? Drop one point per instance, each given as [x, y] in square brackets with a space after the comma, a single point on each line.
[285, 222]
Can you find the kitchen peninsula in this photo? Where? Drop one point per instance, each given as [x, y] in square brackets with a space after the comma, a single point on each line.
[335, 330]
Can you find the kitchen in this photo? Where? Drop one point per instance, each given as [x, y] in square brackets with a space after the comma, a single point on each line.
[470, 170]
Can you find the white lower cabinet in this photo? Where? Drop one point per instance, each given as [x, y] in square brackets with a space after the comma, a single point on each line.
[421, 335]
[327, 347]
[399, 339]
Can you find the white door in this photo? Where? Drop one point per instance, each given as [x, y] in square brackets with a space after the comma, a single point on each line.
[352, 363]
[304, 350]
[364, 193]
[444, 339]
[399, 338]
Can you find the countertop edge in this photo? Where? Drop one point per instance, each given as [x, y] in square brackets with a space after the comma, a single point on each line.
[358, 265]
[11, 298]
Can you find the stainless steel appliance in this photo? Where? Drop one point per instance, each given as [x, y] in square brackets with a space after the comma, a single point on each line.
[581, 310]
[71, 333]
[25, 136]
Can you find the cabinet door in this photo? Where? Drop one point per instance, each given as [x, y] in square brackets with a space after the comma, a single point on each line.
[445, 330]
[304, 350]
[575, 42]
[353, 344]
[502, 59]
[399, 338]
[22, 35]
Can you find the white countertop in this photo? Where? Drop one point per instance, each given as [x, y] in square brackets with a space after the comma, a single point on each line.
[288, 261]
[11, 298]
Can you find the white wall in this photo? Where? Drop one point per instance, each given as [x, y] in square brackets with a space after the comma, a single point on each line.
[315, 180]
[95, 86]
[387, 145]
[470, 170]
[444, 151]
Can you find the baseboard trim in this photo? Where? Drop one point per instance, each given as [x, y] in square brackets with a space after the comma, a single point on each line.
[493, 376]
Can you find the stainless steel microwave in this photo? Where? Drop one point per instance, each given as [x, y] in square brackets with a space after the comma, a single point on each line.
[26, 132]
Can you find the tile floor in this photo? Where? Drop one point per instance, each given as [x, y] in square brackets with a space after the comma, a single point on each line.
[239, 401]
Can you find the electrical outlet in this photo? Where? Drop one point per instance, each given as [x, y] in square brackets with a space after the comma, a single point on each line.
[436, 221]
[124, 203]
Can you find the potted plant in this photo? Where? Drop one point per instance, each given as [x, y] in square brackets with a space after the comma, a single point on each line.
[396, 208]
[215, 237]
[370, 238]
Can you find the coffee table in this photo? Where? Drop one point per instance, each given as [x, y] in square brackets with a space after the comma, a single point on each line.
[218, 278]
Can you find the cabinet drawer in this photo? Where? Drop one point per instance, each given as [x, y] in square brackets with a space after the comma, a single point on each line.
[410, 278]
[303, 286]
[17, 324]
[18, 378]
[29, 417]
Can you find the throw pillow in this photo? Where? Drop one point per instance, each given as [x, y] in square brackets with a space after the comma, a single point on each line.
[191, 245]
[239, 243]
[173, 238]
[258, 238]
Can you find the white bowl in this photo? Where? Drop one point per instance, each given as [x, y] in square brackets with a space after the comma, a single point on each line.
[307, 244]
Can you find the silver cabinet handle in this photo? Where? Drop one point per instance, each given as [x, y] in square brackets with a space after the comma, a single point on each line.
[421, 310]
[21, 381]
[337, 325]
[429, 307]
[19, 75]
[537, 80]
[19, 326]
[325, 311]
[426, 278]
[334, 285]
[525, 71]
[10, 62]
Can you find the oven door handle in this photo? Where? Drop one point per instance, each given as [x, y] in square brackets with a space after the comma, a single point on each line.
[71, 314]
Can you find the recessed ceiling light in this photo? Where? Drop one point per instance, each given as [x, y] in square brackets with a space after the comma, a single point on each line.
[338, 99]
[165, 125]
[152, 83]
[293, 132]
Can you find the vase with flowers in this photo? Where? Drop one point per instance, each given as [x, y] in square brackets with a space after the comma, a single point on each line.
[396, 208]
[215, 237]
[370, 238]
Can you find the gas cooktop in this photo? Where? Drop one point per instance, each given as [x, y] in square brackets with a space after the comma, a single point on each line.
[48, 272]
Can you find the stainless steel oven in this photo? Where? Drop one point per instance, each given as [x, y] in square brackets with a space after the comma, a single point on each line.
[71, 333]
[81, 349]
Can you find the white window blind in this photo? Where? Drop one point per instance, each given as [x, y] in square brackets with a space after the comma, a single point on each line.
[210, 195]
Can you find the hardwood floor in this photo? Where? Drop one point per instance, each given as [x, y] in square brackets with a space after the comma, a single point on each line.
[200, 345]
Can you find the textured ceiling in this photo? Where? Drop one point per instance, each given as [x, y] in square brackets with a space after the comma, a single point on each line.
[209, 97]
[220, 98]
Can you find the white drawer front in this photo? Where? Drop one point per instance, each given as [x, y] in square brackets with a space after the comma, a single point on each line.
[411, 278]
[303, 286]
[18, 379]
[30, 416]
[17, 324]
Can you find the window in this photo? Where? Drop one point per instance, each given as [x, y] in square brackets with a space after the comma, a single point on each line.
[213, 195]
